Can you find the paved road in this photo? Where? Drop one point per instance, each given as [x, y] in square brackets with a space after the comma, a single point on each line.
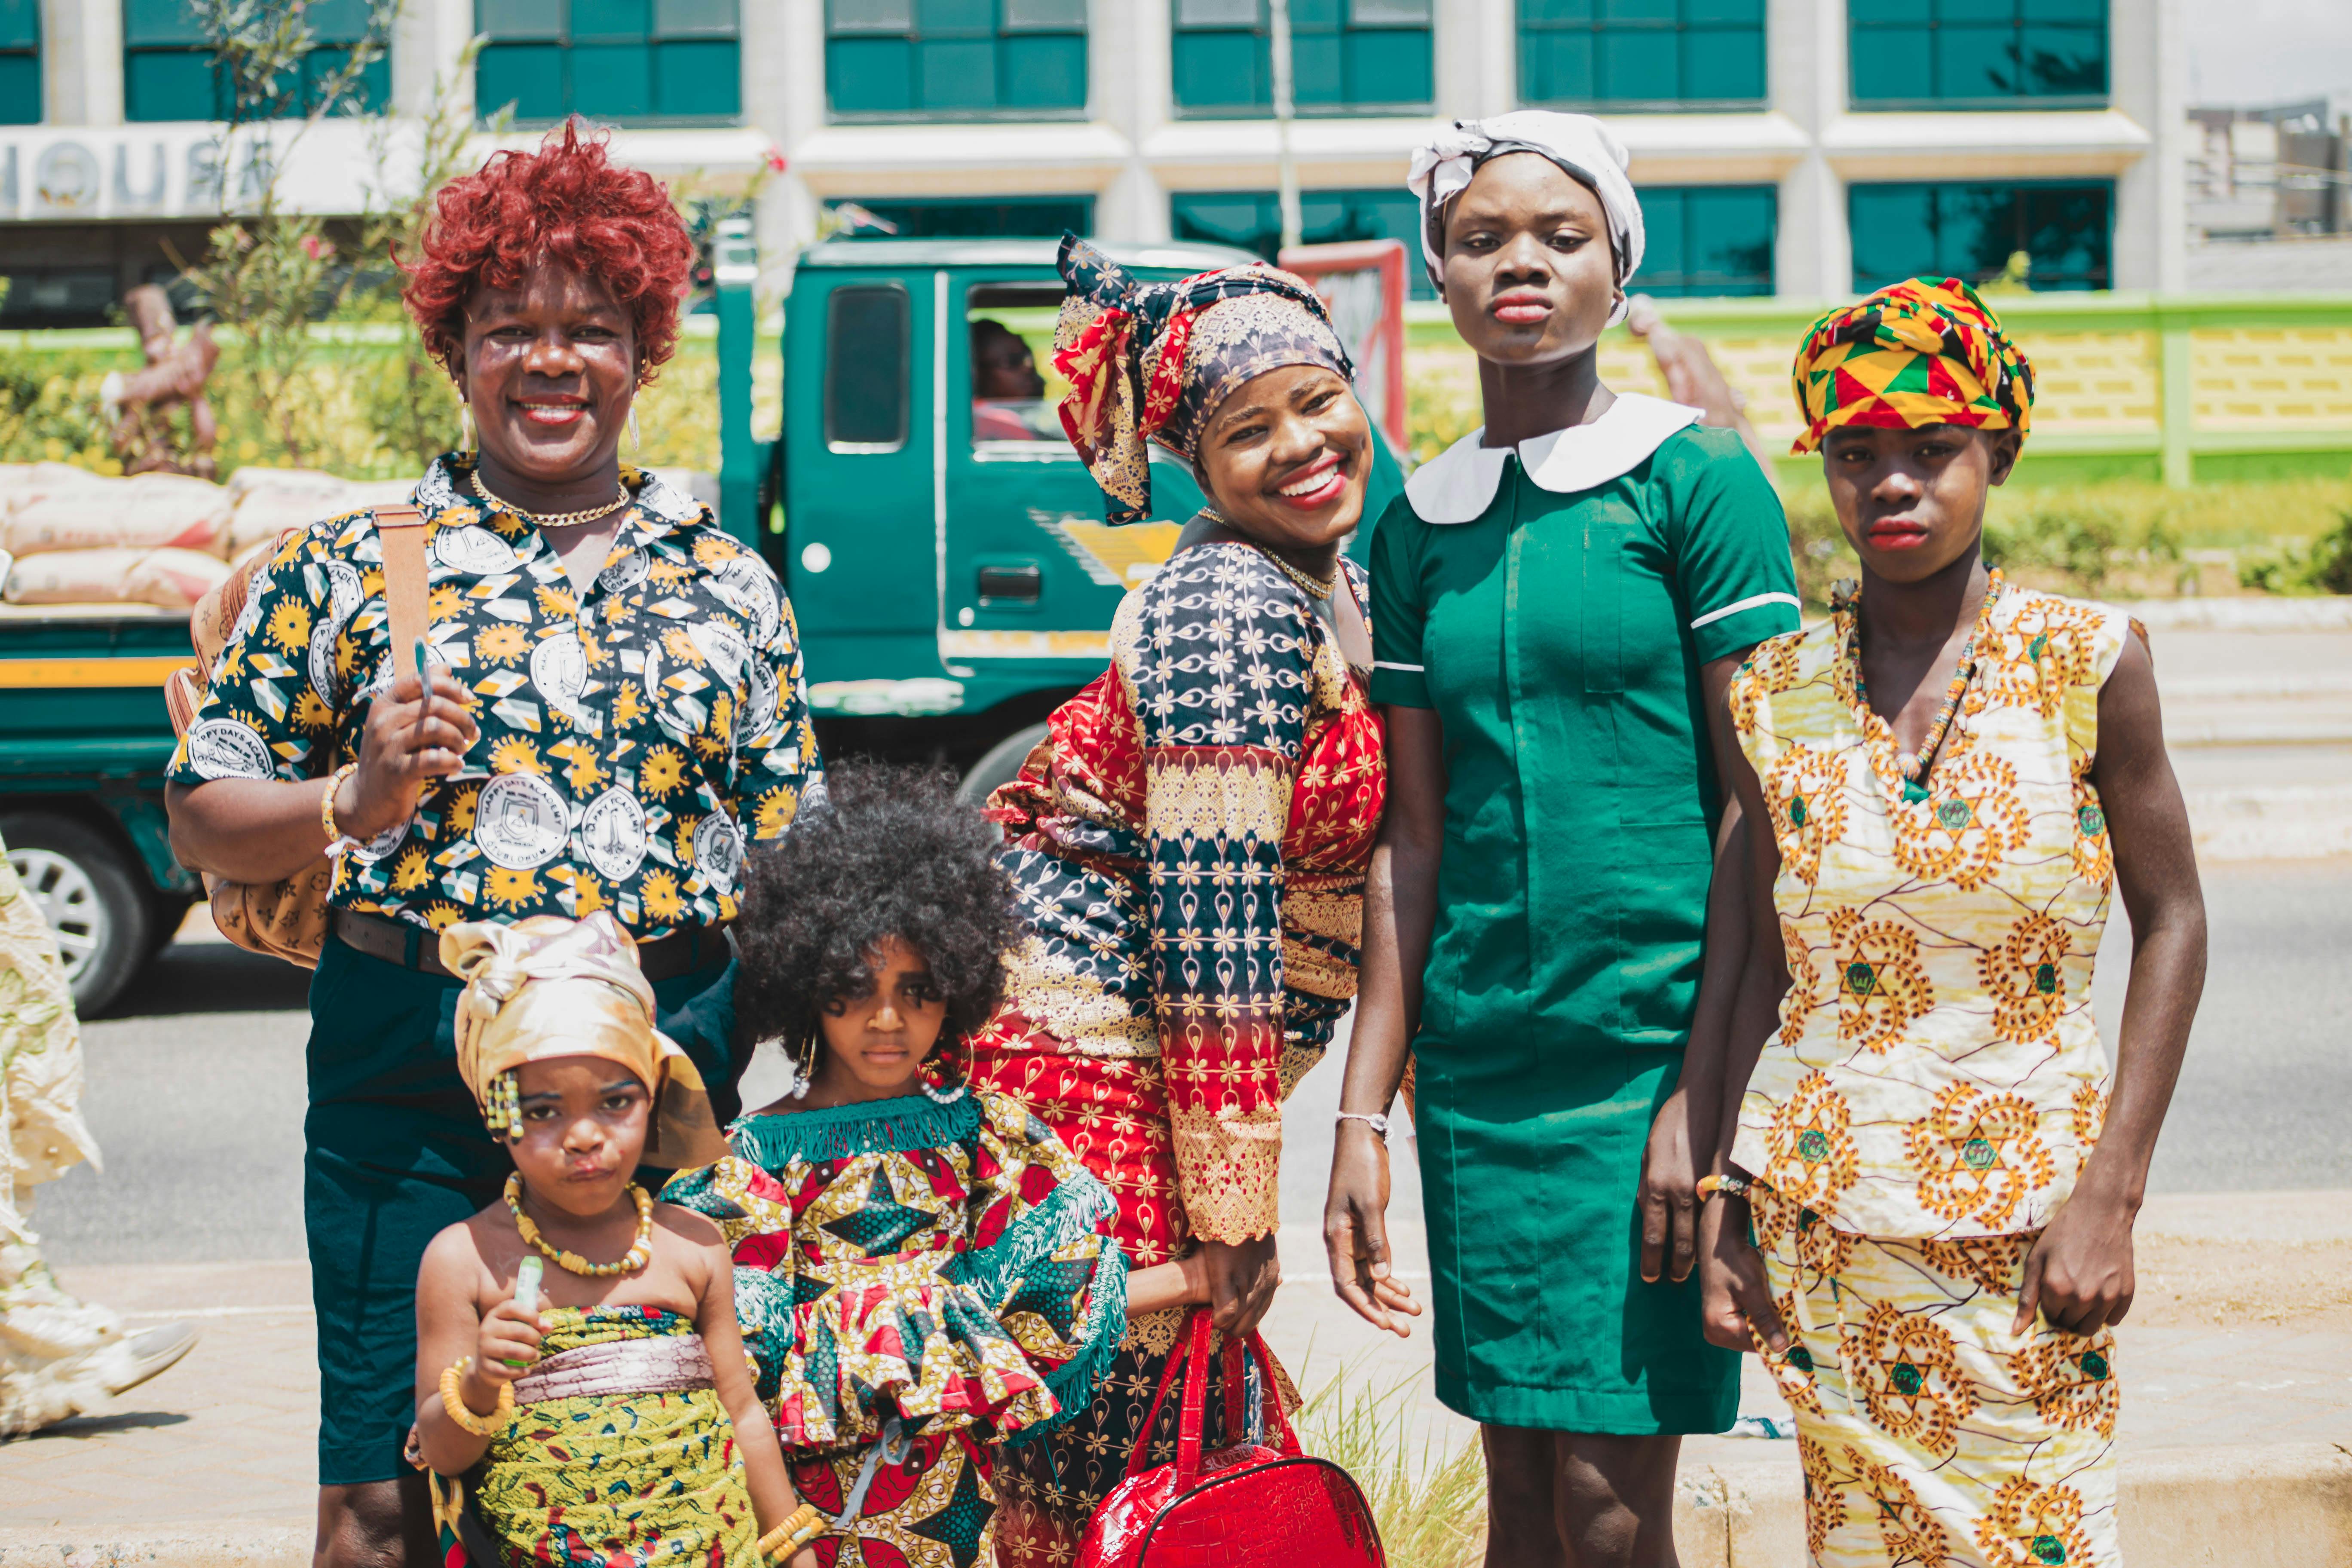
[195, 1084]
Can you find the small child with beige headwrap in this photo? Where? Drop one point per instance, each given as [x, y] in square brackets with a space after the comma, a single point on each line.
[643, 1430]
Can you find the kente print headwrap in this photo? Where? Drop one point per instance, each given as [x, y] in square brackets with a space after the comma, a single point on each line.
[1926, 351]
[1151, 362]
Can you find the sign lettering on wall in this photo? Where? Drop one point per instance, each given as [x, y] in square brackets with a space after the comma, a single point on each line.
[49, 173]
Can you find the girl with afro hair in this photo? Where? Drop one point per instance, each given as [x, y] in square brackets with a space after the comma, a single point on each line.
[923, 1271]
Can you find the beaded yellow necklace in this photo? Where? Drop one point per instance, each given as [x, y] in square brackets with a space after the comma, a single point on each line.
[640, 1252]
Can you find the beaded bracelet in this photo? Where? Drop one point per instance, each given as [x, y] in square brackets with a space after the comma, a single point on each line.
[1729, 1187]
[804, 1525]
[337, 839]
[488, 1425]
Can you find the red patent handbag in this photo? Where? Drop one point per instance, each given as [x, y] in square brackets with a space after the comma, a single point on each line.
[1247, 1506]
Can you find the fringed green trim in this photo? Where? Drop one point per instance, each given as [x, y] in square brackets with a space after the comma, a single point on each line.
[1073, 1383]
[881, 1126]
[1071, 1211]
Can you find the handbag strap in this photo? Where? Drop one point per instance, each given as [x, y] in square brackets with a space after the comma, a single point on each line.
[1290, 1447]
[401, 531]
[1196, 1401]
[1196, 1329]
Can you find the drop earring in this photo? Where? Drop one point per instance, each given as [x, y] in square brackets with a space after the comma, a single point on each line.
[637, 442]
[465, 426]
[805, 1070]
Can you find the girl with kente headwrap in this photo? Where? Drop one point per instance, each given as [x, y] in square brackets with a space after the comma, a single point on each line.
[578, 1360]
[1948, 779]
[1188, 844]
[1559, 599]
[923, 1271]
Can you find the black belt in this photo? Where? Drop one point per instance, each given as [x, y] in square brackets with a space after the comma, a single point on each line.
[414, 947]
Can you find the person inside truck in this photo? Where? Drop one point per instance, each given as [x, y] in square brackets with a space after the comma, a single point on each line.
[1007, 393]
[614, 709]
[1188, 845]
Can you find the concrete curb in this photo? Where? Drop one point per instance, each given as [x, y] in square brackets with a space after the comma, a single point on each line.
[2331, 612]
[208, 1546]
[2283, 1506]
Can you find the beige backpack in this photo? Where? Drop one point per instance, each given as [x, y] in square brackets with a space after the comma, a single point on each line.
[288, 919]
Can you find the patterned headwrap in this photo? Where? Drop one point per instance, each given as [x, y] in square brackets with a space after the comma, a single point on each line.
[548, 987]
[1588, 151]
[1923, 351]
[1151, 362]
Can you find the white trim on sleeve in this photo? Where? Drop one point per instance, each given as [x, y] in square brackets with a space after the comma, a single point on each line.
[1391, 664]
[1751, 602]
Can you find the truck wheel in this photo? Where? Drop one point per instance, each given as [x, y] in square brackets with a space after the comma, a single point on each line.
[1000, 765]
[94, 903]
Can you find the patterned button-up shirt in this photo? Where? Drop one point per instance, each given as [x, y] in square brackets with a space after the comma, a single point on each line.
[1937, 1072]
[631, 743]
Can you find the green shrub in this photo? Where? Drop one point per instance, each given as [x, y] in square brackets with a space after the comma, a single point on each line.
[2323, 566]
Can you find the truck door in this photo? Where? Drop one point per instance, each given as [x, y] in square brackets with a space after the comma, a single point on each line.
[1032, 575]
[861, 503]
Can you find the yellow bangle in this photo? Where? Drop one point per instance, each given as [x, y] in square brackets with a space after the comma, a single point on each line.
[489, 1426]
[806, 1524]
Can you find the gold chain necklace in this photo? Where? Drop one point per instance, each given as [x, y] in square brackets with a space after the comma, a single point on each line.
[640, 1252]
[1307, 584]
[550, 519]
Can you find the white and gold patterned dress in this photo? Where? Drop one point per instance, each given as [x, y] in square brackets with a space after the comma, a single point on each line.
[1934, 1090]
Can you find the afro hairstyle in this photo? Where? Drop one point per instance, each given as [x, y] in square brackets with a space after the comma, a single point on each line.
[879, 852]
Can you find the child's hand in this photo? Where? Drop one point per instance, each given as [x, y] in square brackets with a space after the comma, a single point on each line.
[510, 1331]
[804, 1558]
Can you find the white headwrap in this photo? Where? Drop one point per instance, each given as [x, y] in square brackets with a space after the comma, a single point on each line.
[1577, 142]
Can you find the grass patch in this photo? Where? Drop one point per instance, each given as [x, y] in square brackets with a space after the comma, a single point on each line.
[1428, 1497]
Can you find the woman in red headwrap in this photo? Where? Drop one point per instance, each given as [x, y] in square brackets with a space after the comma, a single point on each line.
[1189, 842]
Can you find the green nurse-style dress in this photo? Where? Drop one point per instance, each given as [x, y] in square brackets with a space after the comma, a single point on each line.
[1553, 605]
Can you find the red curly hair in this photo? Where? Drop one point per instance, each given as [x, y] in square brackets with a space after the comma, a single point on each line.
[567, 202]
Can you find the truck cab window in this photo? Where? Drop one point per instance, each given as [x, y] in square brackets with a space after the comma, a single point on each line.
[1010, 327]
[867, 368]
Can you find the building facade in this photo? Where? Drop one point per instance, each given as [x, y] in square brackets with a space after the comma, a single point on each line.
[1804, 148]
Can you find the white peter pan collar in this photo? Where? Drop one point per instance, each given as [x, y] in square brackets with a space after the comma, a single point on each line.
[1458, 484]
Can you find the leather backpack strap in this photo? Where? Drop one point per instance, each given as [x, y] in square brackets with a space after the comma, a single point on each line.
[401, 531]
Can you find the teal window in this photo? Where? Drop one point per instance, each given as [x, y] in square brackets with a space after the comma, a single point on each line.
[987, 217]
[1253, 220]
[1970, 53]
[949, 59]
[632, 61]
[20, 62]
[2066, 231]
[1641, 54]
[1706, 240]
[1346, 57]
[169, 71]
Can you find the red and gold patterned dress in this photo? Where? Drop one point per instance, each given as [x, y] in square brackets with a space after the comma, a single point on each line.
[1188, 845]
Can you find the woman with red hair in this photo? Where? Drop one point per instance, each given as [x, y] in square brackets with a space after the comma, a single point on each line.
[613, 707]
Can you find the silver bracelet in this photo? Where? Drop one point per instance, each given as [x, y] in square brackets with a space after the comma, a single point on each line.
[1378, 1124]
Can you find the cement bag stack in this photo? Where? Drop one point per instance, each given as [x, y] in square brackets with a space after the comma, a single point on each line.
[270, 501]
[82, 538]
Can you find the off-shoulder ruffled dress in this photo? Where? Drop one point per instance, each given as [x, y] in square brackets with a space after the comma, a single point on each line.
[918, 1282]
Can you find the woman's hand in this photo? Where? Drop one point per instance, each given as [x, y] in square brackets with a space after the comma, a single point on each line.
[1669, 1194]
[1736, 1308]
[509, 1333]
[411, 737]
[2079, 1274]
[1356, 1233]
[1243, 1276]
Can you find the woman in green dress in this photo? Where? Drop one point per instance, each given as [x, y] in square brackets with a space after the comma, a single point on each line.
[1559, 603]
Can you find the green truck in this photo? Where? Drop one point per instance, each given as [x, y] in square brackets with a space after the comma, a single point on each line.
[944, 552]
